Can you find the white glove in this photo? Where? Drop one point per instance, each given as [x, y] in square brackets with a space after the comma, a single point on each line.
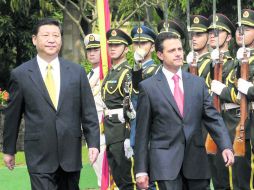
[139, 55]
[128, 149]
[121, 117]
[190, 57]
[215, 55]
[131, 113]
[240, 52]
[238, 96]
[243, 85]
[217, 87]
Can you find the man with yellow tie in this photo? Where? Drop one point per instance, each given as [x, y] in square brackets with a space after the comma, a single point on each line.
[55, 98]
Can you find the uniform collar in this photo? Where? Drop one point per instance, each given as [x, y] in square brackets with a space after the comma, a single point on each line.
[147, 63]
[204, 55]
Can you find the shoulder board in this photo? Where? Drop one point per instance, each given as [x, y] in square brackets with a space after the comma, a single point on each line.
[229, 57]
[150, 69]
[251, 60]
[127, 66]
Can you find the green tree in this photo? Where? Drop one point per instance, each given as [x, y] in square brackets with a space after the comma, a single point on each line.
[17, 19]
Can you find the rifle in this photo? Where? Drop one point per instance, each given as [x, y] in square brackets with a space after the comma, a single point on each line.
[211, 147]
[239, 140]
[193, 66]
[128, 110]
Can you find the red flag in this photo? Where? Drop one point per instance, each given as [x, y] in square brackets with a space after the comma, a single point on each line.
[104, 26]
[105, 173]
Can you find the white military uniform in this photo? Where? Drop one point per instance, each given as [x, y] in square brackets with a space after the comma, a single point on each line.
[94, 80]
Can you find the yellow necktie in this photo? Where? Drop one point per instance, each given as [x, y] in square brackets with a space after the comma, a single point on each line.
[50, 84]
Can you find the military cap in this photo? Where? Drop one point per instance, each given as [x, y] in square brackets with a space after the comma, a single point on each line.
[173, 27]
[117, 36]
[92, 41]
[222, 22]
[142, 34]
[248, 17]
[198, 23]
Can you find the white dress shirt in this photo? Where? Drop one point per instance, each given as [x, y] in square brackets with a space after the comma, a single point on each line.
[171, 83]
[55, 71]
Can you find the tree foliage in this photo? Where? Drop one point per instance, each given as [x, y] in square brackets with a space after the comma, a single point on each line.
[17, 18]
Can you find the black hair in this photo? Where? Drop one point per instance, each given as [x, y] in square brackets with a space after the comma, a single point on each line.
[46, 21]
[161, 38]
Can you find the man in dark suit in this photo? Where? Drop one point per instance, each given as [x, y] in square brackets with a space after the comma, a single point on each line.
[172, 106]
[55, 98]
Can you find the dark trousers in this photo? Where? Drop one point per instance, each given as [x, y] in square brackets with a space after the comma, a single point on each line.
[220, 173]
[242, 170]
[182, 183]
[59, 180]
[120, 166]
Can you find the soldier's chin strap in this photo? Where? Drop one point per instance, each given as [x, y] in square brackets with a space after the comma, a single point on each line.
[224, 41]
[149, 49]
[122, 52]
[250, 44]
[203, 45]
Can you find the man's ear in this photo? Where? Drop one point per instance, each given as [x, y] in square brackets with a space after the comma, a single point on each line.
[152, 48]
[229, 37]
[34, 37]
[126, 49]
[160, 55]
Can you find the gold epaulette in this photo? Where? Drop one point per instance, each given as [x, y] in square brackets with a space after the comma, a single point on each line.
[150, 69]
[203, 66]
[251, 59]
[118, 86]
[127, 66]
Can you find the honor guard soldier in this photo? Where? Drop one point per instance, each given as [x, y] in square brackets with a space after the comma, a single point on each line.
[200, 56]
[227, 92]
[114, 87]
[174, 28]
[143, 43]
[242, 172]
[93, 52]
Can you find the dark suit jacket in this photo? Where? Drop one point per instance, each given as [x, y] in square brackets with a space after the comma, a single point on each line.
[166, 141]
[52, 137]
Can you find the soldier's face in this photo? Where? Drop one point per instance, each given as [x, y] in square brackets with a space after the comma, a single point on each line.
[223, 37]
[199, 40]
[48, 41]
[147, 46]
[248, 36]
[172, 54]
[93, 55]
[117, 51]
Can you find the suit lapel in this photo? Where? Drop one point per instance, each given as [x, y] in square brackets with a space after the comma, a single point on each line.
[187, 86]
[36, 77]
[64, 79]
[164, 88]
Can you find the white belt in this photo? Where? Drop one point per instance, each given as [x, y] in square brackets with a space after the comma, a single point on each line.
[229, 106]
[118, 112]
[113, 111]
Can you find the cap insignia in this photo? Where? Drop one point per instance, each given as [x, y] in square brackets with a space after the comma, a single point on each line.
[139, 31]
[113, 33]
[216, 18]
[91, 38]
[196, 20]
[246, 14]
